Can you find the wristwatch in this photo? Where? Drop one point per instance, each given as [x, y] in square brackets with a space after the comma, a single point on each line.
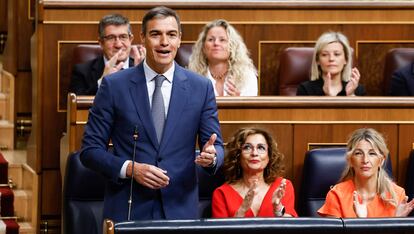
[280, 213]
[213, 164]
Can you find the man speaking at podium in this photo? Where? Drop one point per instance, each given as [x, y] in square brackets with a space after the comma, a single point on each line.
[153, 112]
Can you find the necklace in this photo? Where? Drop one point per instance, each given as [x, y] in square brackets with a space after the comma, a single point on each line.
[219, 76]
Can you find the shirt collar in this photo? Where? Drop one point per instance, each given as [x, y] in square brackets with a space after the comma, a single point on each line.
[150, 74]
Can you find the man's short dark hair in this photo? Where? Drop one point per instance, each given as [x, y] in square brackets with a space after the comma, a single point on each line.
[159, 12]
[114, 19]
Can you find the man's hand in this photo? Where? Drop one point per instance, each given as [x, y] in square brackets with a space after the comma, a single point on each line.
[139, 53]
[148, 175]
[111, 66]
[208, 155]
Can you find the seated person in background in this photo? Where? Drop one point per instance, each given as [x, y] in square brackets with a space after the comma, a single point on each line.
[402, 81]
[332, 73]
[365, 189]
[221, 55]
[115, 38]
[254, 186]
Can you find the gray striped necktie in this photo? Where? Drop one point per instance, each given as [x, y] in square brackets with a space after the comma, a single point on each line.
[158, 109]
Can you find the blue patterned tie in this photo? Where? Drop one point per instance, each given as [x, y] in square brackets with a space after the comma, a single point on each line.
[158, 109]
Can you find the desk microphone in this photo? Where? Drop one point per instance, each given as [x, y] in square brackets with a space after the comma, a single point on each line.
[135, 137]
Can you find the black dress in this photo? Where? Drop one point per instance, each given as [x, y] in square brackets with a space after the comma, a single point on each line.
[315, 88]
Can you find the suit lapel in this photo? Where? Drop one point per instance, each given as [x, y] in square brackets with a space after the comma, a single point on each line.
[97, 69]
[412, 69]
[131, 62]
[178, 100]
[139, 95]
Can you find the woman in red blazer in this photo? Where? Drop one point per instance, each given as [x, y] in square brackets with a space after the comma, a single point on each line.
[254, 186]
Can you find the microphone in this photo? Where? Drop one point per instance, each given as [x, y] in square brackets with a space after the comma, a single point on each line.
[135, 137]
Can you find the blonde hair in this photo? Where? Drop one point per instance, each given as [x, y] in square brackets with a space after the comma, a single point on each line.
[324, 40]
[240, 64]
[384, 182]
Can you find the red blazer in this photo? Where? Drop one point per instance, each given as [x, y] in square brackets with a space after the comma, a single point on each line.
[226, 201]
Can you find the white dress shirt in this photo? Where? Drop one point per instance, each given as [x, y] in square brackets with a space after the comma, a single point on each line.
[166, 94]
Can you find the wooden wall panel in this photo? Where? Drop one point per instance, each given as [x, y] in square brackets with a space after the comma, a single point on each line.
[406, 144]
[65, 66]
[51, 196]
[3, 16]
[269, 64]
[266, 27]
[23, 93]
[25, 30]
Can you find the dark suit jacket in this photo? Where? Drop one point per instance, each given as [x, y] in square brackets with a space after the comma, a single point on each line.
[85, 76]
[315, 88]
[402, 81]
[120, 106]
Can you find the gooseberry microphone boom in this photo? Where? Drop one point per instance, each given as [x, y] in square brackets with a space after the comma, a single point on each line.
[135, 137]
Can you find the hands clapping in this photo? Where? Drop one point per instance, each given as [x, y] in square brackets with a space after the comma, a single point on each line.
[360, 209]
[230, 88]
[350, 87]
[139, 53]
[353, 82]
[404, 208]
[248, 199]
[277, 196]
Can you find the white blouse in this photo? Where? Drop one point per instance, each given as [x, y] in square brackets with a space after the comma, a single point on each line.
[249, 89]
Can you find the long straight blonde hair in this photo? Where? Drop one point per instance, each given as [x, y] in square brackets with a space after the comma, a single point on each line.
[384, 182]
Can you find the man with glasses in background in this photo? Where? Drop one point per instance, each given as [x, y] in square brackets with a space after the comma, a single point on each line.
[115, 38]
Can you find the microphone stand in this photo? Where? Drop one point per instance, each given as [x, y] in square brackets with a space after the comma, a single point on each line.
[135, 136]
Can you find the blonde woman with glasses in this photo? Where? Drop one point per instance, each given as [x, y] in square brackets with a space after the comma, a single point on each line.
[254, 185]
[365, 189]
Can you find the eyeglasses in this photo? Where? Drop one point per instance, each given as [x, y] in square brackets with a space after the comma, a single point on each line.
[249, 148]
[112, 38]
